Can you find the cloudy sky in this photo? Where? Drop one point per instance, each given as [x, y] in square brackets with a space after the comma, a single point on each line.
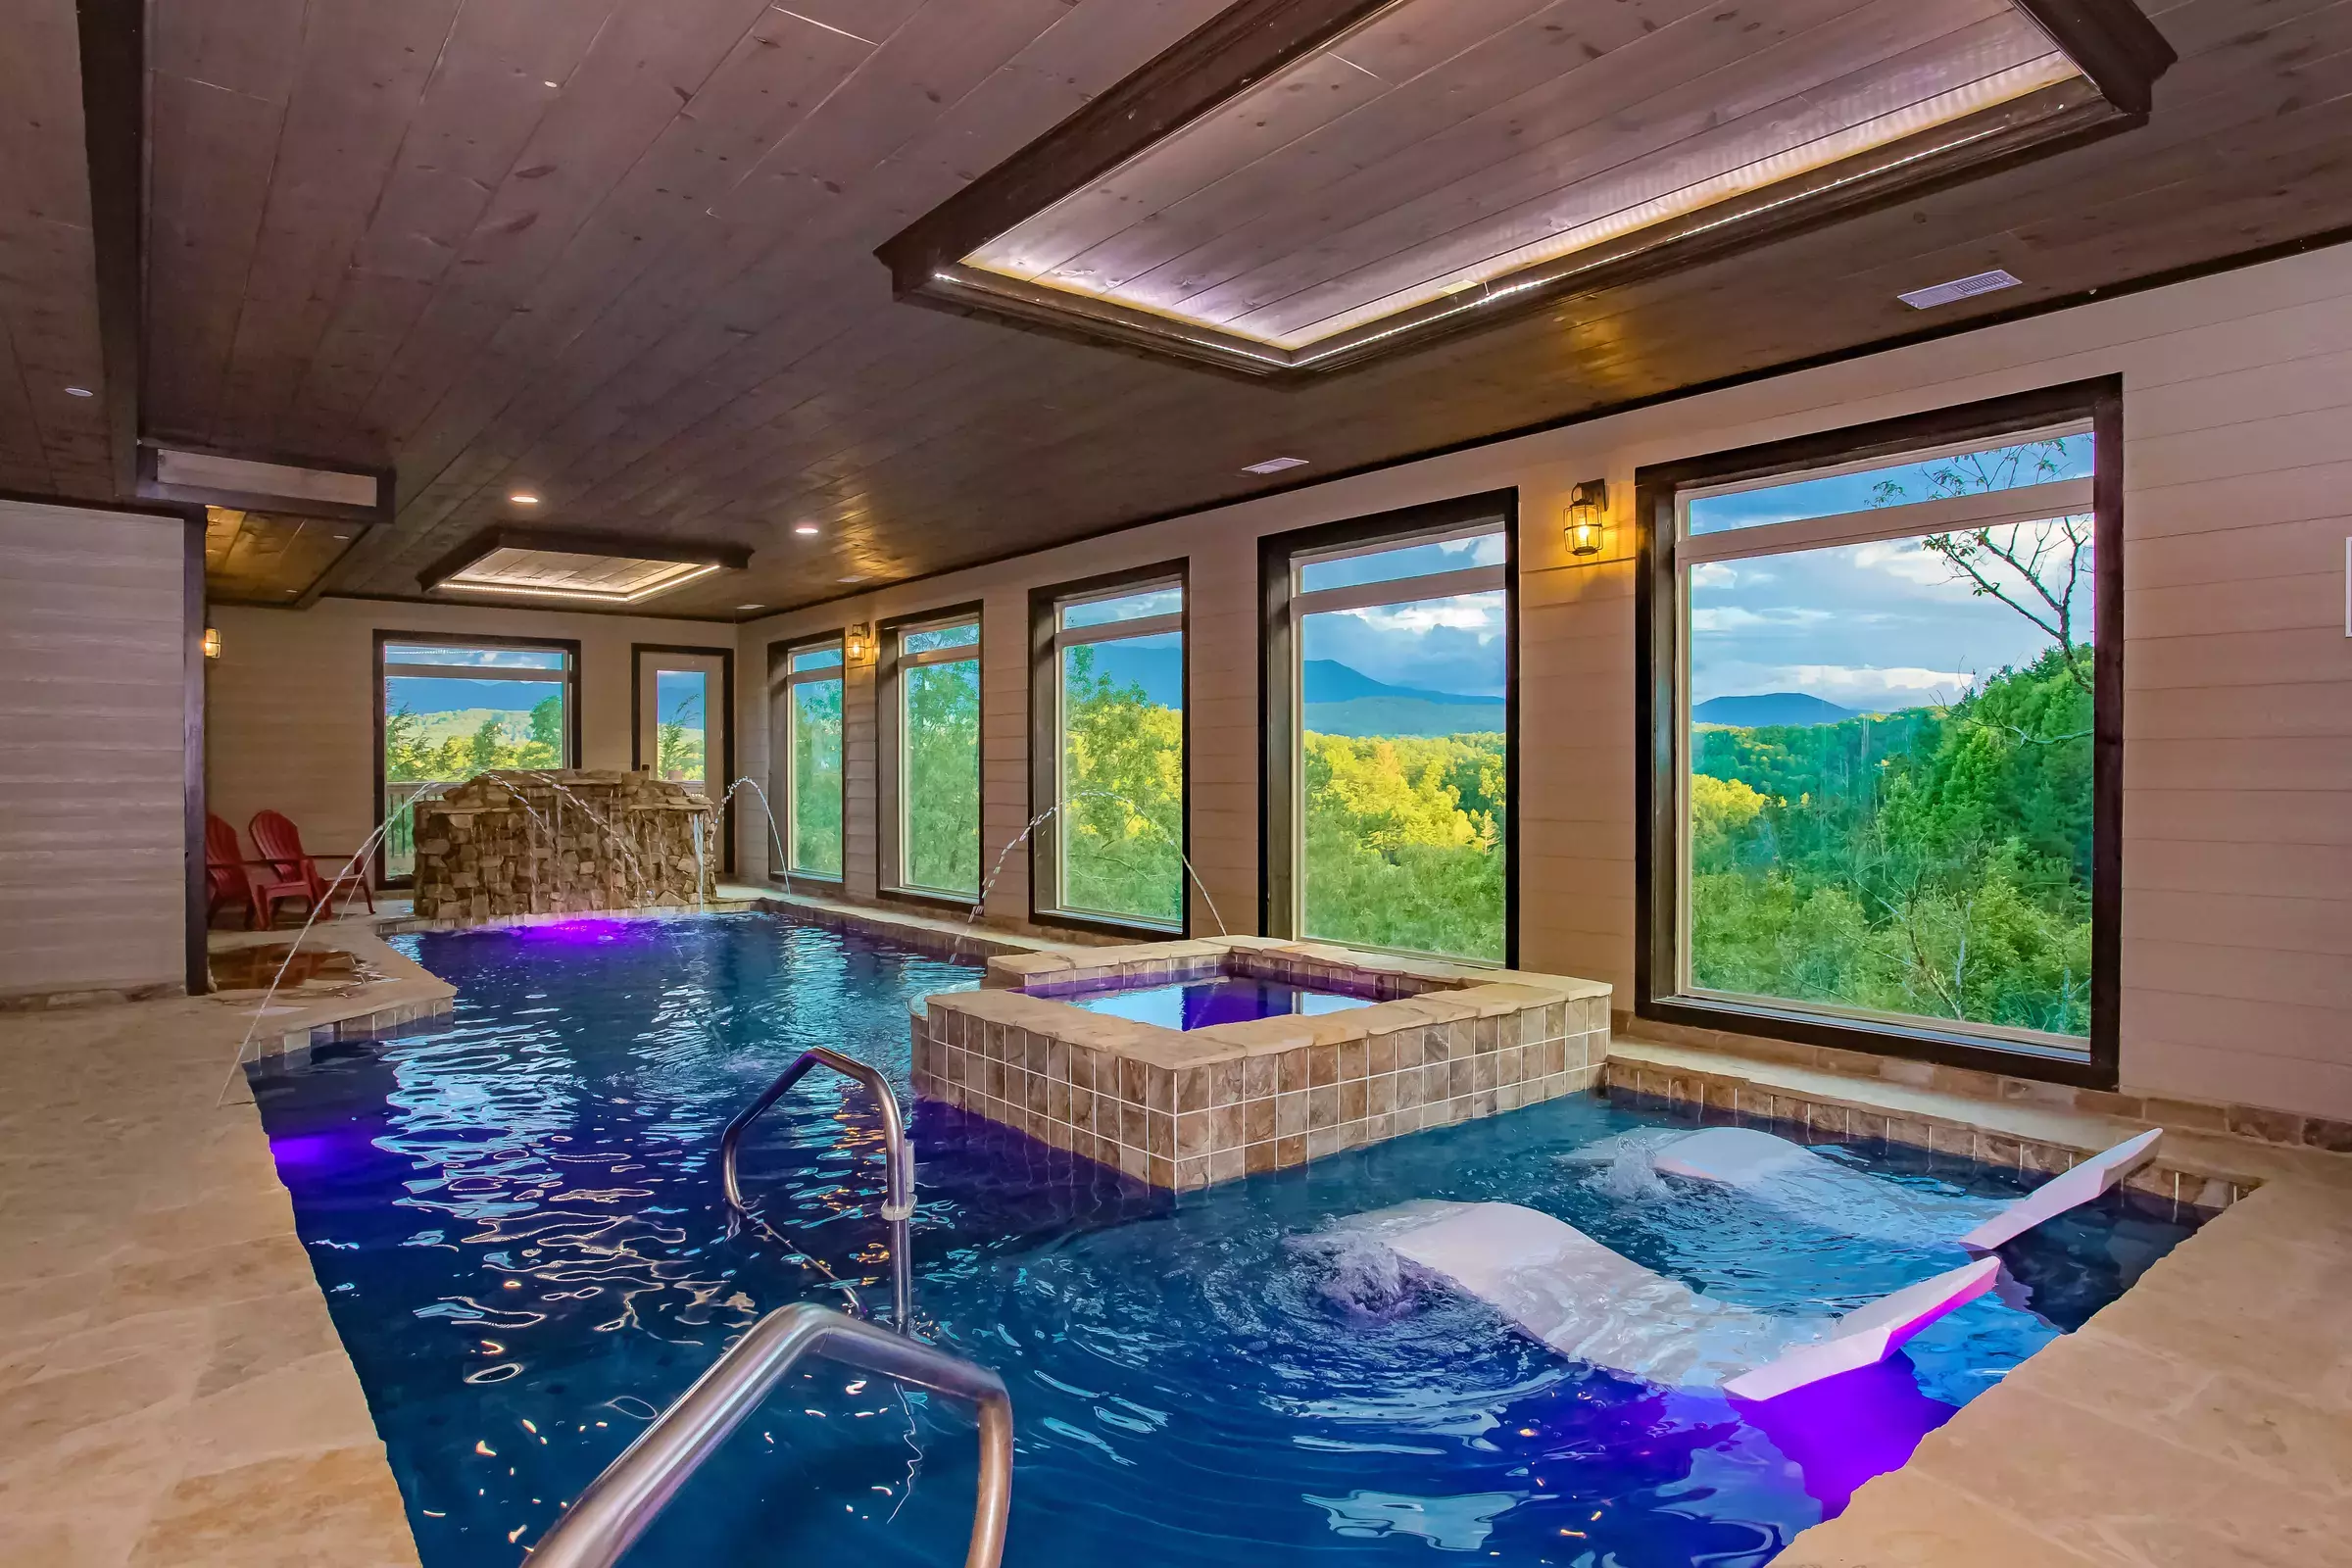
[1881, 625]
[1445, 645]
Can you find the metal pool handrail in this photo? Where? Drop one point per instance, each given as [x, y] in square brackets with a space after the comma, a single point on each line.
[898, 1198]
[621, 1503]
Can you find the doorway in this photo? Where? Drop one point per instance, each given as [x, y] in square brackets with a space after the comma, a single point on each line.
[682, 711]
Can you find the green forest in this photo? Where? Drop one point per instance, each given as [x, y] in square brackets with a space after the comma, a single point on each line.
[1933, 862]
[1404, 844]
[815, 806]
[411, 751]
[1404, 833]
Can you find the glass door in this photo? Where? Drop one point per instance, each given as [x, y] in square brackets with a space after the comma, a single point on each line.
[683, 723]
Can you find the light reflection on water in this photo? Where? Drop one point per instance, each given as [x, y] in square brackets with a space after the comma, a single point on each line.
[518, 1223]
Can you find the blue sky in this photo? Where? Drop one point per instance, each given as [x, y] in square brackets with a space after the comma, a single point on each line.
[1880, 625]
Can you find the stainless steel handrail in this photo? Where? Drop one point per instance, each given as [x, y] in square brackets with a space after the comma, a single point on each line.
[621, 1503]
[898, 1198]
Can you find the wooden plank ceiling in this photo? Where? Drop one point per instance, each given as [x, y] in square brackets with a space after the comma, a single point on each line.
[617, 254]
[52, 442]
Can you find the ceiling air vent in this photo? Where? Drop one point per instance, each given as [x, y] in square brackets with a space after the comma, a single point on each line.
[1959, 288]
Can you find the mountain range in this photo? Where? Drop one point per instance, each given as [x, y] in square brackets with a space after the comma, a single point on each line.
[1340, 700]
[1771, 707]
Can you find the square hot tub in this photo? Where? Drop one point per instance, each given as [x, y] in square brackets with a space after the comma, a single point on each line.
[1183, 1064]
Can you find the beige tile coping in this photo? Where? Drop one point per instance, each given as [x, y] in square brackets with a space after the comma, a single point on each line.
[2205, 1173]
[1183, 1109]
[403, 995]
[2291, 1129]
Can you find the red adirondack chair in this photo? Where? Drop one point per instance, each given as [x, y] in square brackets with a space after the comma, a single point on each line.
[226, 879]
[294, 874]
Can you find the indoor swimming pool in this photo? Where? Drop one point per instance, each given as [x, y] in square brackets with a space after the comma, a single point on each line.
[519, 1225]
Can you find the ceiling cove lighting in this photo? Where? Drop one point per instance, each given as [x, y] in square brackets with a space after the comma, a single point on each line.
[1273, 464]
[1302, 184]
[580, 568]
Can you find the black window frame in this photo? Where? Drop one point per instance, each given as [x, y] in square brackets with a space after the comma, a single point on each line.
[1044, 745]
[569, 646]
[1278, 722]
[1657, 739]
[779, 754]
[889, 763]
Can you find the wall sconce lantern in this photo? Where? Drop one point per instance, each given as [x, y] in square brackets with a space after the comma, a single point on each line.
[212, 642]
[1587, 510]
[857, 645]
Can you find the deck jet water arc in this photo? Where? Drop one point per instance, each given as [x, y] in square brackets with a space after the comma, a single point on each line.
[1795, 1180]
[1594, 1304]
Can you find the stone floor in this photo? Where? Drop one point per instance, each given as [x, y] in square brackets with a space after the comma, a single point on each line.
[173, 1393]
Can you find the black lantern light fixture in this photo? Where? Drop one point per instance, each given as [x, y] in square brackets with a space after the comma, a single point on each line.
[1588, 511]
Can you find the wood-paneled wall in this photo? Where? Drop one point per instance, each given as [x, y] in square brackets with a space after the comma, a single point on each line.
[2237, 921]
[93, 702]
[290, 703]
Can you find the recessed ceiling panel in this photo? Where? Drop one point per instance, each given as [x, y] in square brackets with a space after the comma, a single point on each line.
[1431, 160]
[584, 568]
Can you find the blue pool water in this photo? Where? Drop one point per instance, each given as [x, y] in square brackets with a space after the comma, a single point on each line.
[519, 1226]
[1199, 1003]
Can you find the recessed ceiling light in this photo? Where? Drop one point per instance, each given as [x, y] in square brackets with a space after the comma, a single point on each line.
[854, 578]
[523, 498]
[1959, 288]
[342, 536]
[79, 392]
[804, 527]
[751, 606]
[1274, 466]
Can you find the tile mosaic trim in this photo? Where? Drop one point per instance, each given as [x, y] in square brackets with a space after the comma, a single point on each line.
[1728, 1100]
[383, 1023]
[2290, 1129]
[1182, 1110]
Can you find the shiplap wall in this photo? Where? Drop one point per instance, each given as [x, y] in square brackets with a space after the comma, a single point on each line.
[2237, 921]
[290, 703]
[93, 843]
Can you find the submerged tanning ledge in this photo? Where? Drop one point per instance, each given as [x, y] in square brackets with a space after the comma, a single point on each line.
[1597, 1305]
[1798, 1181]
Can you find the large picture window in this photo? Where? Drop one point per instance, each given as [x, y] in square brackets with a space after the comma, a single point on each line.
[449, 707]
[811, 735]
[1109, 706]
[1389, 734]
[1885, 675]
[931, 755]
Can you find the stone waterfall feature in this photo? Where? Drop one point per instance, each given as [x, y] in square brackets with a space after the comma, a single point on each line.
[510, 844]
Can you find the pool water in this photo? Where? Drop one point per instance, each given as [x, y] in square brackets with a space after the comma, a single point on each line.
[519, 1226]
[1200, 1003]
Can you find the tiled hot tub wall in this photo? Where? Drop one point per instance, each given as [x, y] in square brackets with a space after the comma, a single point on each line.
[1182, 1109]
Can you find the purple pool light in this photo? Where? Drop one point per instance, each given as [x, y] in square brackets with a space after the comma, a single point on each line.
[1200, 1003]
[587, 929]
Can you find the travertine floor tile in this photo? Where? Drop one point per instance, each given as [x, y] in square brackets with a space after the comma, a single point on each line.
[340, 1508]
[1915, 1521]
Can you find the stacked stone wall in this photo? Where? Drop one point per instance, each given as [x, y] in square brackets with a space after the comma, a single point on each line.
[507, 843]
